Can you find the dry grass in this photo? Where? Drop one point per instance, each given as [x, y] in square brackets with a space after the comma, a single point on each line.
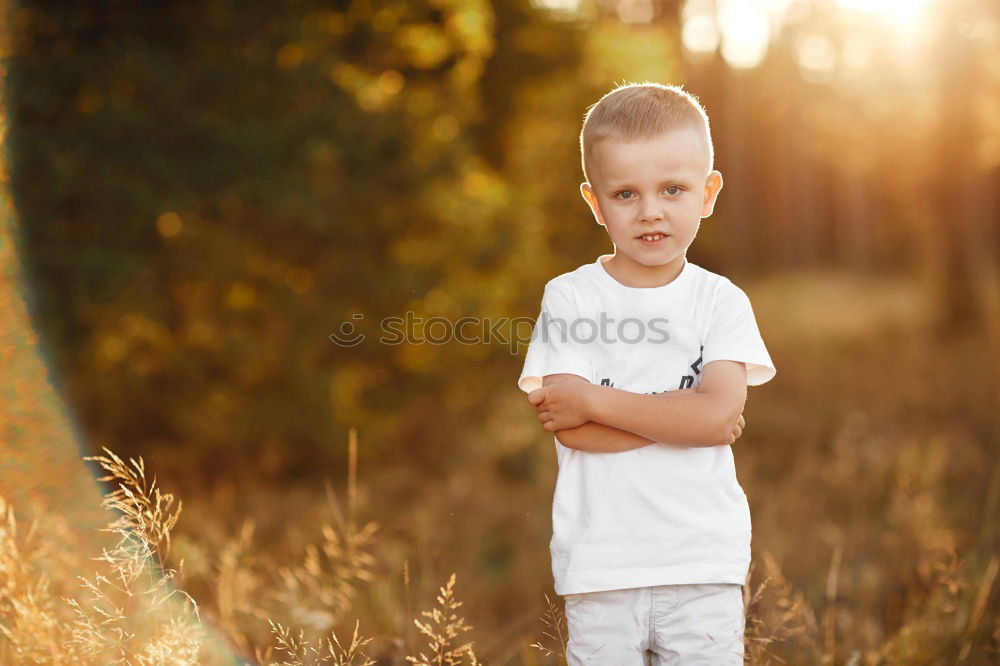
[859, 560]
[556, 632]
[129, 610]
[442, 630]
[299, 652]
[125, 610]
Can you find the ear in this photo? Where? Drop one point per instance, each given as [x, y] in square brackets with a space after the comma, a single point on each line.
[591, 198]
[713, 183]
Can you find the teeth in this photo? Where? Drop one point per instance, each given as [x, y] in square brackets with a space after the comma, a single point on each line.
[652, 237]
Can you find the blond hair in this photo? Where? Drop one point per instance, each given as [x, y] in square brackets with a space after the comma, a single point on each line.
[635, 111]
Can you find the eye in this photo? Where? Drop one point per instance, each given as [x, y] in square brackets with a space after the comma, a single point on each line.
[673, 190]
[621, 194]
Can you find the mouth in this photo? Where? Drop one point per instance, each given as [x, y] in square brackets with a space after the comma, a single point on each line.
[652, 238]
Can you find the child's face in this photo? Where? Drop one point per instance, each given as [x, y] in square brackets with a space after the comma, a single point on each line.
[650, 195]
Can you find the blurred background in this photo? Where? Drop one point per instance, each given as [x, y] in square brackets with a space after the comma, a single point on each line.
[204, 192]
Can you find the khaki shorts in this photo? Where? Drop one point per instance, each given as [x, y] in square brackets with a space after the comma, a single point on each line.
[682, 625]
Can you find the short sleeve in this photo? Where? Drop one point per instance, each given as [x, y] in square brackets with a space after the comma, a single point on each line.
[552, 349]
[733, 336]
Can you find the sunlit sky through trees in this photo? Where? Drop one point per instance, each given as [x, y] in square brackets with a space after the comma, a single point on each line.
[741, 30]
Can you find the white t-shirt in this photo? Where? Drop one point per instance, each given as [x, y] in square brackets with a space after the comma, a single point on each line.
[661, 514]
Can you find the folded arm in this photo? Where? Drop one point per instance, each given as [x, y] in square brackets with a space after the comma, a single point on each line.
[603, 437]
[591, 436]
[705, 416]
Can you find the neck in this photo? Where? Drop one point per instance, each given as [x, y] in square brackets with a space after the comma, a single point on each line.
[633, 274]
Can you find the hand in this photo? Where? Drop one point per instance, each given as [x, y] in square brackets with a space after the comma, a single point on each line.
[561, 405]
[737, 431]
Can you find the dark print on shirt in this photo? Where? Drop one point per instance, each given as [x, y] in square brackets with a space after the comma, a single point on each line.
[687, 381]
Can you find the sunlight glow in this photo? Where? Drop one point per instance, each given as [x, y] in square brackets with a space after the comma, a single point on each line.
[566, 7]
[743, 29]
[700, 35]
[906, 25]
[856, 54]
[746, 32]
[816, 57]
[898, 11]
[699, 32]
[636, 11]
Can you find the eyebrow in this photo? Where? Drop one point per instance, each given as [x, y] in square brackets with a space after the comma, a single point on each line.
[682, 180]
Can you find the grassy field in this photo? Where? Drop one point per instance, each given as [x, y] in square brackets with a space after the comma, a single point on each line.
[870, 462]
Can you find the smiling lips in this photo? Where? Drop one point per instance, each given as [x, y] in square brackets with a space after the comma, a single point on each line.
[652, 238]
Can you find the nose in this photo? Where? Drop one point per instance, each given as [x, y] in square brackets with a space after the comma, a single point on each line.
[651, 211]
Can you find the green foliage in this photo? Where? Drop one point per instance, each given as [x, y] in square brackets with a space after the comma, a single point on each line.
[205, 196]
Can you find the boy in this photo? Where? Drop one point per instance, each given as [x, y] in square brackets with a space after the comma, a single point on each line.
[639, 363]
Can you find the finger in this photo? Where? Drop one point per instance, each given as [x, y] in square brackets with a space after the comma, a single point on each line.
[544, 416]
[550, 426]
[741, 422]
[536, 396]
[737, 433]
